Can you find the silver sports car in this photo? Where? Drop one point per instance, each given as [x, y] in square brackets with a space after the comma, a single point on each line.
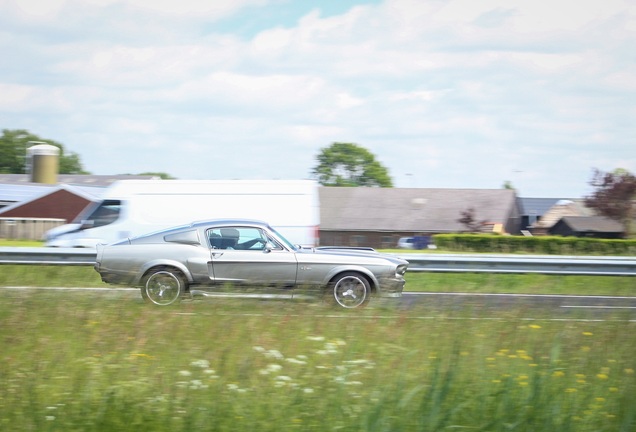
[212, 257]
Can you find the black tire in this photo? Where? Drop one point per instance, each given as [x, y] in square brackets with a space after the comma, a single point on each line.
[349, 290]
[163, 286]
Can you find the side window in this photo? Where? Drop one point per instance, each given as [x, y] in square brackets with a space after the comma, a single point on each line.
[239, 238]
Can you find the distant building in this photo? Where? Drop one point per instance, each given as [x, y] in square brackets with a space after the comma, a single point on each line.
[533, 209]
[378, 217]
[588, 226]
[560, 209]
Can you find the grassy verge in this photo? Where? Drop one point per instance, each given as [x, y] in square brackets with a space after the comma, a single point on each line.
[85, 276]
[71, 363]
[20, 243]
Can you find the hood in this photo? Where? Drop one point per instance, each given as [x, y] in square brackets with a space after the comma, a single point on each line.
[362, 252]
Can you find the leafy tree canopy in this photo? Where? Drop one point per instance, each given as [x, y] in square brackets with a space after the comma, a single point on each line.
[13, 145]
[347, 164]
[614, 195]
[161, 175]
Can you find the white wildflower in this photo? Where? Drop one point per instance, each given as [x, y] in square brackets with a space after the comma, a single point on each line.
[357, 362]
[270, 368]
[295, 361]
[316, 338]
[274, 354]
[185, 373]
[197, 385]
[203, 364]
[283, 378]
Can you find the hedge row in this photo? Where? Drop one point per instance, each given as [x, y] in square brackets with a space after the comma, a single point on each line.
[547, 245]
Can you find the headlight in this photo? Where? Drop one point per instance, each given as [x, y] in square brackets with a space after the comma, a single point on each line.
[401, 269]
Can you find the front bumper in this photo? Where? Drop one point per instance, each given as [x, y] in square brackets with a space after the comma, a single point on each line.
[391, 287]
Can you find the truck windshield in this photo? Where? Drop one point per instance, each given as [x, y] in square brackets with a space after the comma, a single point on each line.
[102, 214]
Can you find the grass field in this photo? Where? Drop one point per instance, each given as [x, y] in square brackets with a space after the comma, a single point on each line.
[81, 362]
[74, 362]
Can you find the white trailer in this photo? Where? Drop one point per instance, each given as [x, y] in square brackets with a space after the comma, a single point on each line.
[135, 207]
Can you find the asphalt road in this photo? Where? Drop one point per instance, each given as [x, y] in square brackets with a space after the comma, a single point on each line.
[526, 305]
[450, 305]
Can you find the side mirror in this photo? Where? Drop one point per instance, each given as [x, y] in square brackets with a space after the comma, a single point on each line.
[268, 247]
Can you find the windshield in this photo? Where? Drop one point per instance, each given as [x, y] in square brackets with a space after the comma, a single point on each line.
[283, 239]
[101, 214]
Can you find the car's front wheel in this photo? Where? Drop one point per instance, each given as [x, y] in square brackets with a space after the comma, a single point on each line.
[350, 290]
[163, 286]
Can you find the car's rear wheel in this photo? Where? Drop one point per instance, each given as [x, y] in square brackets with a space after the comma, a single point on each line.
[350, 290]
[163, 286]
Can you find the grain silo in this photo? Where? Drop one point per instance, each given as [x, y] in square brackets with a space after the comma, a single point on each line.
[43, 163]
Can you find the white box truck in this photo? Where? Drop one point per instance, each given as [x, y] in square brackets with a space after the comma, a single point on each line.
[134, 207]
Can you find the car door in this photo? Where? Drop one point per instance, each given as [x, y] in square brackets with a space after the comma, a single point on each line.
[239, 255]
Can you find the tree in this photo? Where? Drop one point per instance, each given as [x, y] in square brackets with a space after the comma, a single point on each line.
[469, 220]
[614, 195]
[508, 186]
[161, 175]
[347, 164]
[13, 145]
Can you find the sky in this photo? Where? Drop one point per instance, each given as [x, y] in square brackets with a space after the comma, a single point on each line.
[444, 93]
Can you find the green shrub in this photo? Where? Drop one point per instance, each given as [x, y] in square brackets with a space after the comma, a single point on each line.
[549, 245]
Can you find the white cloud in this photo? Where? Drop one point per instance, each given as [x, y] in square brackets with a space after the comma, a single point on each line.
[457, 93]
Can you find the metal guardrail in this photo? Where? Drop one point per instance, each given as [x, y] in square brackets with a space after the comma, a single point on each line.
[544, 264]
[450, 263]
[47, 256]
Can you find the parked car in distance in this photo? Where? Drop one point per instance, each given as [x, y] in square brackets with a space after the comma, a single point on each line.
[209, 257]
[417, 242]
[406, 243]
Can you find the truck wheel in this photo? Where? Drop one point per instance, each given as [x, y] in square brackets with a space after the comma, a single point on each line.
[163, 286]
[349, 290]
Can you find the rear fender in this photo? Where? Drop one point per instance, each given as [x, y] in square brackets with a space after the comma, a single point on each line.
[163, 263]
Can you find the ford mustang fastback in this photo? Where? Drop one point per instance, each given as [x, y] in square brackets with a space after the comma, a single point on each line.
[212, 257]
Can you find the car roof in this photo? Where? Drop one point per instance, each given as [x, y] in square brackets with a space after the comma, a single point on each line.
[220, 222]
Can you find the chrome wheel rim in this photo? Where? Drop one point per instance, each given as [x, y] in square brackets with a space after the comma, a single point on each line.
[163, 288]
[350, 292]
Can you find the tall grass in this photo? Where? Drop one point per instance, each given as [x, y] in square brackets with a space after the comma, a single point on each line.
[79, 363]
